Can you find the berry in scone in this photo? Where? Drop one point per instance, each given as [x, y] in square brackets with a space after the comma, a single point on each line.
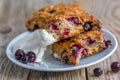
[71, 50]
[63, 20]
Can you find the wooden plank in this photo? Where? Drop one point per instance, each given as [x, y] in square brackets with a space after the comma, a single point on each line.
[13, 14]
[108, 11]
[69, 75]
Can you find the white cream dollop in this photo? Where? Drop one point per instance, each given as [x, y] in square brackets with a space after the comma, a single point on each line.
[55, 55]
[37, 42]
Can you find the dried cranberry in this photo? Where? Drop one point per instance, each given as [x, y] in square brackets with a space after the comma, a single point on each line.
[79, 46]
[108, 43]
[65, 32]
[53, 26]
[88, 26]
[90, 41]
[115, 67]
[84, 52]
[19, 53]
[74, 20]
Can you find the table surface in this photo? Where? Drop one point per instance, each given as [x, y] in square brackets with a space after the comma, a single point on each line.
[13, 15]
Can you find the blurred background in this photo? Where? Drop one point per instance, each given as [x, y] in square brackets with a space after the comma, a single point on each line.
[16, 12]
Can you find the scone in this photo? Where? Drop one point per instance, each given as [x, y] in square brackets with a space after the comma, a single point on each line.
[71, 50]
[63, 20]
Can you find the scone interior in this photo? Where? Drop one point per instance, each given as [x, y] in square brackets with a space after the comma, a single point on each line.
[62, 20]
[71, 50]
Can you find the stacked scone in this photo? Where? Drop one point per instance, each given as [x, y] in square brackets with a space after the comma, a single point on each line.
[78, 33]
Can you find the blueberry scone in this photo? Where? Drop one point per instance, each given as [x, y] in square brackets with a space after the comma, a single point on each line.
[71, 50]
[63, 20]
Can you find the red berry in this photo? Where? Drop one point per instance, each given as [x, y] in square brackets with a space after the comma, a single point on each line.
[84, 52]
[74, 20]
[115, 66]
[65, 32]
[53, 26]
[79, 46]
[90, 41]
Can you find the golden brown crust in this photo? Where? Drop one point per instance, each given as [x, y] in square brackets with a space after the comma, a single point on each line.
[65, 47]
[58, 14]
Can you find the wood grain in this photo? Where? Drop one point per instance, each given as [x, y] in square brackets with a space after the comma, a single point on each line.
[13, 15]
[108, 13]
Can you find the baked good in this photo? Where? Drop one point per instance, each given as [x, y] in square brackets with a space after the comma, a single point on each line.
[71, 50]
[63, 20]
[77, 32]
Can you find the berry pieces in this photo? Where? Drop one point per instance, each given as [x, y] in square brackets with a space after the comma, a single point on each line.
[52, 11]
[98, 72]
[75, 51]
[30, 57]
[53, 26]
[65, 32]
[74, 20]
[19, 53]
[66, 59]
[115, 67]
[84, 52]
[88, 26]
[90, 42]
[108, 43]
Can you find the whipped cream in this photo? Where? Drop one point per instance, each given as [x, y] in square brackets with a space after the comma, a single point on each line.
[37, 42]
[55, 55]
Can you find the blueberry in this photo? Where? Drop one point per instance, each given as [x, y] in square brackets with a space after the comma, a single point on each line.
[79, 46]
[36, 26]
[52, 11]
[87, 26]
[74, 51]
[24, 59]
[19, 53]
[108, 43]
[31, 57]
[66, 59]
[98, 72]
[115, 67]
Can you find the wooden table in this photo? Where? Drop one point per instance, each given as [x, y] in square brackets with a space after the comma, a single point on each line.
[13, 15]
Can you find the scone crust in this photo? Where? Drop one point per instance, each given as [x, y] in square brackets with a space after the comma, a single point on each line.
[65, 47]
[57, 13]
